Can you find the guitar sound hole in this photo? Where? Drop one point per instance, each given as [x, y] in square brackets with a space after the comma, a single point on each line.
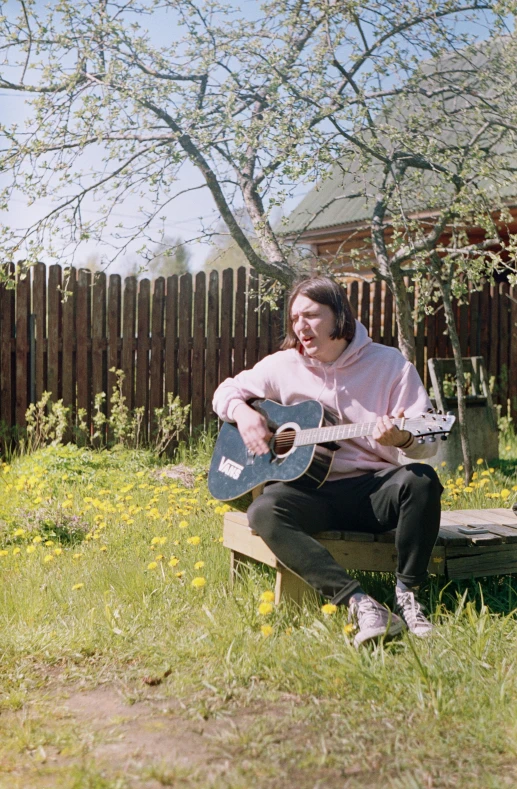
[284, 441]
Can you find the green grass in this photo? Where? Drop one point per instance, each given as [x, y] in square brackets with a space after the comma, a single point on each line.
[105, 615]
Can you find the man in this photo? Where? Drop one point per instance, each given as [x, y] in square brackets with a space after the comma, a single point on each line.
[373, 486]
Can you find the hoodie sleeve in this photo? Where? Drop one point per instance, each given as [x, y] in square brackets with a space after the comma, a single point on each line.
[409, 393]
[257, 382]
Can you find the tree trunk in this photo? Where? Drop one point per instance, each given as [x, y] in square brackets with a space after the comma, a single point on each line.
[405, 329]
[445, 289]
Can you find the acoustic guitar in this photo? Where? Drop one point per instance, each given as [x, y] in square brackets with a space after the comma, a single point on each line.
[295, 449]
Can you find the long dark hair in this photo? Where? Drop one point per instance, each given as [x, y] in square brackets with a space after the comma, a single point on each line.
[323, 290]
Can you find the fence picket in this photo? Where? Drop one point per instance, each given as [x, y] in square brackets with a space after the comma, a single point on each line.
[114, 339]
[69, 338]
[39, 310]
[7, 327]
[212, 341]
[157, 346]
[198, 352]
[142, 348]
[83, 329]
[128, 340]
[22, 346]
[54, 332]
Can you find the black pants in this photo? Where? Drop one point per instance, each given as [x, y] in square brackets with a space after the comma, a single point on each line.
[406, 498]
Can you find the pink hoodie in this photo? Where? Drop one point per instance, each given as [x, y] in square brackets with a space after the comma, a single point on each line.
[366, 381]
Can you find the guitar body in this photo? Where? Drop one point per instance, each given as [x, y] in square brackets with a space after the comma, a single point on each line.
[235, 473]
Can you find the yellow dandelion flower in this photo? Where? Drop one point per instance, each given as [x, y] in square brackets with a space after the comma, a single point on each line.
[443, 463]
[152, 565]
[348, 628]
[328, 609]
[31, 548]
[16, 551]
[483, 482]
[267, 597]
[183, 524]
[475, 475]
[491, 470]
[505, 493]
[199, 565]
[479, 461]
[158, 557]
[77, 586]
[19, 533]
[460, 468]
[49, 543]
[174, 561]
[288, 631]
[194, 540]
[265, 608]
[485, 473]
[508, 447]
[459, 481]
[514, 487]
[77, 556]
[198, 582]
[468, 489]
[57, 551]
[3, 552]
[48, 558]
[103, 548]
[266, 631]
[180, 574]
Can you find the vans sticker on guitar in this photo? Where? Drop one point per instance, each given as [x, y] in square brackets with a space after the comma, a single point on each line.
[230, 468]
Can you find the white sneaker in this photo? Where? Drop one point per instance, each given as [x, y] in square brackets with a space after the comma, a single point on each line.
[410, 610]
[374, 621]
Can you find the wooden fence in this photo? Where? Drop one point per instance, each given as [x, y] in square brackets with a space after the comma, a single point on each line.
[63, 331]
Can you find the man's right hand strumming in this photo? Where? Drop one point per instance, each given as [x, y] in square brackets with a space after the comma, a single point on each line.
[253, 429]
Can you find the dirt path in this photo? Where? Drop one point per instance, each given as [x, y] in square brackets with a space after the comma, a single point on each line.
[98, 739]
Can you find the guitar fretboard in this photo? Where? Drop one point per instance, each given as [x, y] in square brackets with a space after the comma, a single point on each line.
[322, 435]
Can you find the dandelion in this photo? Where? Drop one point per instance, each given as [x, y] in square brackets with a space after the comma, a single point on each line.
[443, 463]
[48, 543]
[174, 561]
[19, 533]
[265, 608]
[158, 557]
[152, 565]
[48, 558]
[103, 548]
[266, 630]
[183, 524]
[77, 556]
[514, 487]
[37, 540]
[3, 552]
[460, 468]
[328, 609]
[349, 628]
[180, 574]
[193, 540]
[57, 551]
[479, 461]
[75, 587]
[199, 565]
[198, 582]
[508, 447]
[491, 470]
[267, 597]
[505, 493]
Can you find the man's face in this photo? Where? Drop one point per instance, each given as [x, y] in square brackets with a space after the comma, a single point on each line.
[313, 323]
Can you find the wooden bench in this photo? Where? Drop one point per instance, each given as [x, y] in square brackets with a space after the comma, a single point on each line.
[456, 555]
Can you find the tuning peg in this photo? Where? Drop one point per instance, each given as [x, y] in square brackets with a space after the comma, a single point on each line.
[421, 440]
[431, 439]
[444, 437]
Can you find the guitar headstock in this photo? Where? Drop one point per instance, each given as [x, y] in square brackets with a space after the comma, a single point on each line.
[428, 426]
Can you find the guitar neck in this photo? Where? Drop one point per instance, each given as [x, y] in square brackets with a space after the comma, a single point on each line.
[322, 435]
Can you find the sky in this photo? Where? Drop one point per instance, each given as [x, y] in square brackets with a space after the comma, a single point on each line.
[185, 216]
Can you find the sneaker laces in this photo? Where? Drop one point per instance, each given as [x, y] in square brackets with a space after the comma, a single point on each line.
[367, 611]
[413, 611]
